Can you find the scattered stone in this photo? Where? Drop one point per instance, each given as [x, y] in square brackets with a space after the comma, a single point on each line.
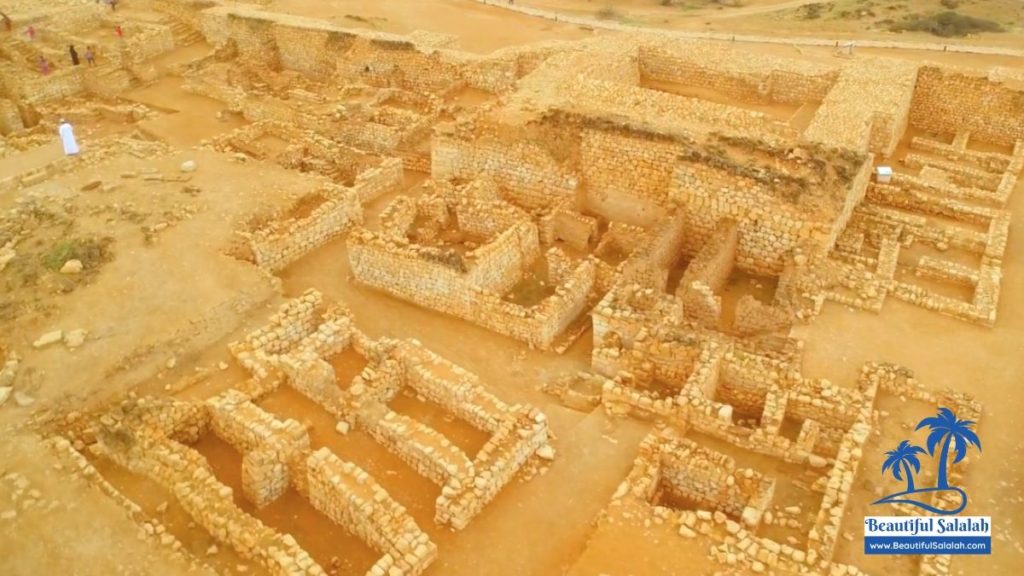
[5, 393]
[188, 166]
[546, 452]
[222, 365]
[342, 427]
[72, 267]
[75, 338]
[48, 338]
[171, 362]
[92, 185]
[23, 400]
[7, 254]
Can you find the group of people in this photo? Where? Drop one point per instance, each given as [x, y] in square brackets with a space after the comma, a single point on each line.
[45, 65]
[90, 55]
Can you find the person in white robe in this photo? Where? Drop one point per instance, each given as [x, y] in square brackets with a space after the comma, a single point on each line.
[67, 138]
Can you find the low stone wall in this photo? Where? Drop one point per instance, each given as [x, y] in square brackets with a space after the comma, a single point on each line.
[472, 285]
[351, 497]
[267, 445]
[278, 245]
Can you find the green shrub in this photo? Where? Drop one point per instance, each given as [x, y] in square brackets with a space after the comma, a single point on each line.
[90, 252]
[815, 10]
[947, 24]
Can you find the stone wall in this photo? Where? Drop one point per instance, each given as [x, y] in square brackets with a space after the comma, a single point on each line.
[472, 285]
[627, 176]
[769, 226]
[738, 73]
[949, 101]
[351, 497]
[526, 171]
[57, 85]
[283, 242]
[267, 445]
[868, 107]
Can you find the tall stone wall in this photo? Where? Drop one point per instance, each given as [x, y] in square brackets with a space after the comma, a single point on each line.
[526, 171]
[57, 85]
[405, 274]
[868, 107]
[740, 74]
[947, 101]
[254, 38]
[769, 227]
[627, 176]
[498, 265]
[304, 50]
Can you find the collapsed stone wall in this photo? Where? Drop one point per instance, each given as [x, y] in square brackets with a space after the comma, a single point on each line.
[948, 101]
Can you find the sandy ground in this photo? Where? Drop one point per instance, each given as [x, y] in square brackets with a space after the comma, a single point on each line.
[479, 28]
[72, 524]
[854, 19]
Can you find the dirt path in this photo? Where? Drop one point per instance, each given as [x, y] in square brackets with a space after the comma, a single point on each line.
[751, 10]
[752, 38]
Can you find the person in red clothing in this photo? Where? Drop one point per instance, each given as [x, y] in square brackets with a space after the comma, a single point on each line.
[31, 32]
[118, 31]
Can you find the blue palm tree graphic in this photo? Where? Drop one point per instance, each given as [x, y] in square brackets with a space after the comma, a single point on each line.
[945, 428]
[945, 432]
[903, 458]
